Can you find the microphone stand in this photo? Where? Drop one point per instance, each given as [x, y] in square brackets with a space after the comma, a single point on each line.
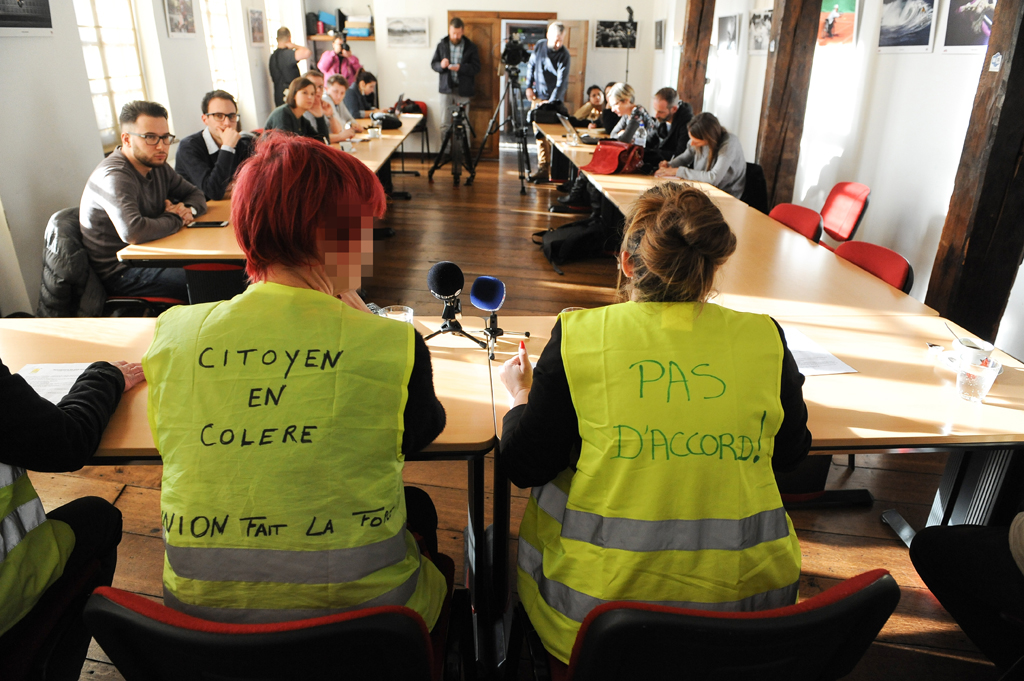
[492, 331]
[453, 307]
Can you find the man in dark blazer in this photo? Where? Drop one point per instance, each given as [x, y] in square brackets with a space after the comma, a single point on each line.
[457, 61]
[670, 136]
[209, 158]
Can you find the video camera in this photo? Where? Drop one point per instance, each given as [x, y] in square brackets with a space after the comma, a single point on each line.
[514, 53]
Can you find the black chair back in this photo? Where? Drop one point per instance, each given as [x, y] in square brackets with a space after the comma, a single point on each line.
[213, 282]
[755, 193]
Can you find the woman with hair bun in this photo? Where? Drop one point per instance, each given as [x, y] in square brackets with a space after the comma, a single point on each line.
[714, 155]
[650, 432]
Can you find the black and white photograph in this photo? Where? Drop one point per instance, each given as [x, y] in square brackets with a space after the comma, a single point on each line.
[968, 26]
[760, 32]
[27, 17]
[616, 34]
[181, 18]
[729, 33]
[407, 32]
[659, 34]
[907, 26]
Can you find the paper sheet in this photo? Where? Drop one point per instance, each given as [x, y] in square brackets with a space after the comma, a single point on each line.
[52, 381]
[811, 358]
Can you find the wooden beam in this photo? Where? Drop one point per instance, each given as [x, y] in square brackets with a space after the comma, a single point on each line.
[983, 238]
[787, 78]
[693, 62]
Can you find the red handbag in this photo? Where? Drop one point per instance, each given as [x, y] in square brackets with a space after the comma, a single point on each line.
[612, 158]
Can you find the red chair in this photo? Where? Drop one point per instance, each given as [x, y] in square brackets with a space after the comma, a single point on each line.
[818, 639]
[887, 265]
[213, 282]
[801, 220]
[148, 641]
[844, 209]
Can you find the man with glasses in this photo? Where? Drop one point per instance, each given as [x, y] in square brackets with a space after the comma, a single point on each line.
[134, 197]
[208, 159]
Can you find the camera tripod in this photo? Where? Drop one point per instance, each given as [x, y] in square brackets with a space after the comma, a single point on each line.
[457, 136]
[516, 120]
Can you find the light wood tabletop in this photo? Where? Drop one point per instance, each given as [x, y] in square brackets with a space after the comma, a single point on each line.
[901, 396]
[218, 244]
[460, 377]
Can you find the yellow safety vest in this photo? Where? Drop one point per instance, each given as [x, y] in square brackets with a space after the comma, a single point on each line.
[673, 500]
[33, 550]
[279, 417]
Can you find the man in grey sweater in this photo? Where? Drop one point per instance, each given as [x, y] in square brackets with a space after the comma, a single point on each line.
[134, 197]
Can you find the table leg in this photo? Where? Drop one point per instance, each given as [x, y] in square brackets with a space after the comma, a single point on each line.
[479, 562]
[499, 566]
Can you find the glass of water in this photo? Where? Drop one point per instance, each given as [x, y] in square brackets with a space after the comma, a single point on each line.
[399, 312]
[975, 379]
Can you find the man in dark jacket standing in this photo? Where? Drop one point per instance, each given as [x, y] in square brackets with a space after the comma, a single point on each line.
[457, 61]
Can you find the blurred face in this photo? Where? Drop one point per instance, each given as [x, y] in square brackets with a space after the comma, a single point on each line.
[218, 117]
[138, 149]
[455, 34]
[554, 38]
[661, 110]
[367, 88]
[596, 98]
[347, 250]
[622, 107]
[337, 46]
[337, 92]
[696, 143]
[319, 83]
[305, 97]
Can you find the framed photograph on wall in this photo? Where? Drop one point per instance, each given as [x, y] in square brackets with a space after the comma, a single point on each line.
[27, 18]
[257, 34]
[181, 18]
[615, 35]
[408, 32]
[760, 31]
[968, 26]
[659, 34]
[729, 33]
[837, 22]
[907, 26]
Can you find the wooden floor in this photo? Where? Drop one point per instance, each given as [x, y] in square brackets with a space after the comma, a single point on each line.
[486, 229]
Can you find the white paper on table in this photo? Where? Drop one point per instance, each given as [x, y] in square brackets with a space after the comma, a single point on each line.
[811, 358]
[52, 381]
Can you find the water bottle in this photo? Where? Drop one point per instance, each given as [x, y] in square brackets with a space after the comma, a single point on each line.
[641, 134]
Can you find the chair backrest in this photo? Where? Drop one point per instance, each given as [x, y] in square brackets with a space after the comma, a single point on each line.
[213, 282]
[886, 264]
[755, 191]
[69, 286]
[844, 209]
[820, 638]
[148, 641]
[802, 220]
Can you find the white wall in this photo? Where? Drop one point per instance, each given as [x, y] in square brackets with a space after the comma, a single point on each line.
[50, 143]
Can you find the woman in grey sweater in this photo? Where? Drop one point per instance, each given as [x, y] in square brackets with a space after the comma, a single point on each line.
[714, 155]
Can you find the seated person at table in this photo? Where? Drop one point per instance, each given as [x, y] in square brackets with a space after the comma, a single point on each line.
[650, 432]
[292, 441]
[208, 159]
[291, 117]
[53, 561]
[359, 97]
[714, 155]
[341, 117]
[669, 137]
[134, 197]
[321, 112]
[609, 119]
[590, 112]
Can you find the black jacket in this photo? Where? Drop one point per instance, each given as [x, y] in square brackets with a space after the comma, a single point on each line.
[468, 67]
[210, 172]
[673, 144]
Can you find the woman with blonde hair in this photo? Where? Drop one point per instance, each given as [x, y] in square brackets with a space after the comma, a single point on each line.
[650, 432]
[714, 155]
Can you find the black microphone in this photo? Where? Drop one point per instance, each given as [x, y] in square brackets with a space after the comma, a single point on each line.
[630, 10]
[487, 294]
[445, 280]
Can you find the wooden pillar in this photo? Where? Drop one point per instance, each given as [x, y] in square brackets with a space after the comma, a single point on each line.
[693, 62]
[983, 238]
[788, 76]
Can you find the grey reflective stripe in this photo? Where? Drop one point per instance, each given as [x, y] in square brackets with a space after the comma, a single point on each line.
[400, 595]
[19, 523]
[708, 534]
[9, 475]
[628, 534]
[333, 566]
[576, 605]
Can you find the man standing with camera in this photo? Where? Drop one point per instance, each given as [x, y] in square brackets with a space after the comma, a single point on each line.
[457, 61]
[547, 79]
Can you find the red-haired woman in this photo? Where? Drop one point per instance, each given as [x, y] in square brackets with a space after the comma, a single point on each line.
[283, 415]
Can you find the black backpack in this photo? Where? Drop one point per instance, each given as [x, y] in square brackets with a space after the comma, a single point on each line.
[574, 241]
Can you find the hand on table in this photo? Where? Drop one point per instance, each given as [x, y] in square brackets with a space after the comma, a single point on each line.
[517, 376]
[664, 164]
[358, 128]
[665, 172]
[592, 126]
[179, 209]
[132, 372]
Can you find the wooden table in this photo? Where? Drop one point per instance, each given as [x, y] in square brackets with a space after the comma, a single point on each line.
[218, 244]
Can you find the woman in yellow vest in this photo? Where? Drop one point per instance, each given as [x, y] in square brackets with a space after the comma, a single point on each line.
[283, 415]
[650, 433]
[51, 562]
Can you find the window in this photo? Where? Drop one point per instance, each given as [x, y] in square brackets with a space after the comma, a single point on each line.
[112, 62]
[218, 45]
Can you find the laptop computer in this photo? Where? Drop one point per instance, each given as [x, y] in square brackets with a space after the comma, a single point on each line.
[573, 135]
[397, 108]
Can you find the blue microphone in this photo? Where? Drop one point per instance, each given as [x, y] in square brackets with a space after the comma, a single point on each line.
[487, 294]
